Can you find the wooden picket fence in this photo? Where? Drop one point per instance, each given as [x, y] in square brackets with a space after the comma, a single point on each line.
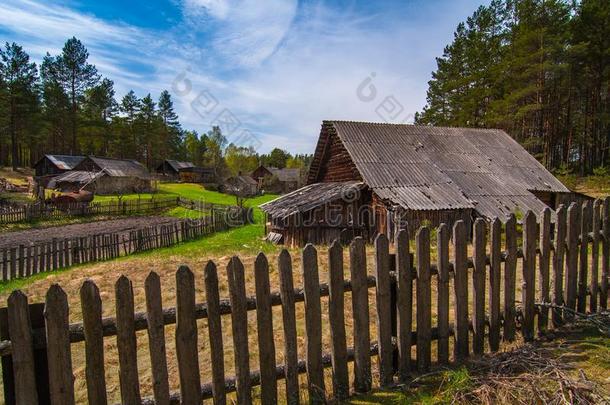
[560, 267]
[38, 211]
[26, 260]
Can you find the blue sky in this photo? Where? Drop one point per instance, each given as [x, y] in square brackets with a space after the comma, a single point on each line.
[267, 71]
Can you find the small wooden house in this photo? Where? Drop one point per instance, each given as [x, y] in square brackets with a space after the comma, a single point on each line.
[186, 172]
[286, 180]
[370, 178]
[56, 164]
[241, 186]
[171, 168]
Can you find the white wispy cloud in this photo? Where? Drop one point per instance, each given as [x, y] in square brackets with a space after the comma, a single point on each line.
[278, 66]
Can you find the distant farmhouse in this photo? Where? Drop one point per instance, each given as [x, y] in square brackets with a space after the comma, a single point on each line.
[105, 176]
[186, 172]
[286, 179]
[241, 186]
[370, 178]
[56, 164]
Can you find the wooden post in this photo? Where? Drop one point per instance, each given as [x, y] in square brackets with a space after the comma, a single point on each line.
[13, 263]
[528, 289]
[571, 281]
[156, 338]
[442, 264]
[461, 290]
[585, 227]
[61, 384]
[510, 274]
[20, 330]
[384, 321]
[544, 275]
[594, 286]
[215, 333]
[558, 264]
[313, 325]
[239, 321]
[360, 311]
[264, 322]
[494, 284]
[290, 329]
[336, 315]
[424, 328]
[91, 305]
[21, 261]
[603, 291]
[126, 342]
[478, 286]
[404, 302]
[186, 337]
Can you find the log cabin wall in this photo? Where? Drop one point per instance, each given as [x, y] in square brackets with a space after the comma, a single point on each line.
[336, 163]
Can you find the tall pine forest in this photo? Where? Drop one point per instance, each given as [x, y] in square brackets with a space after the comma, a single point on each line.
[538, 69]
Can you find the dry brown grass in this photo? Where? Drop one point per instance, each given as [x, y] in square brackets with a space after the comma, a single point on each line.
[137, 269]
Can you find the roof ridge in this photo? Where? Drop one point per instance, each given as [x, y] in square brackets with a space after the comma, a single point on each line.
[409, 125]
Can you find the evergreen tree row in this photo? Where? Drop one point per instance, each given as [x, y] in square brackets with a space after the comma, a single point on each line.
[66, 107]
[539, 69]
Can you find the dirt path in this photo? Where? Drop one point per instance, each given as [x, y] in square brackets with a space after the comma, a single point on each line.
[123, 225]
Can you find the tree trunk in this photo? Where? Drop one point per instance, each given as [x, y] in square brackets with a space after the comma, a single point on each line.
[13, 129]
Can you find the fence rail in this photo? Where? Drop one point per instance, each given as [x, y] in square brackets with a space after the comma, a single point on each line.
[572, 258]
[26, 260]
[38, 211]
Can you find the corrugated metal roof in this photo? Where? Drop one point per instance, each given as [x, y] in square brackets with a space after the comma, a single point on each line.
[310, 197]
[421, 167]
[75, 176]
[65, 162]
[116, 167]
[432, 197]
[177, 165]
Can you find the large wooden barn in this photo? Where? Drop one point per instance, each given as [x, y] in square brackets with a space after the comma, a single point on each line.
[370, 178]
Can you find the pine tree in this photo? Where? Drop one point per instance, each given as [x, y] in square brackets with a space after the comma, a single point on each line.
[75, 75]
[20, 100]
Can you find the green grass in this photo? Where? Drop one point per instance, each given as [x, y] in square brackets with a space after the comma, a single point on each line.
[437, 388]
[191, 191]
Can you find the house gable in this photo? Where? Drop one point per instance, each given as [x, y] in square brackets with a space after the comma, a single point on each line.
[331, 162]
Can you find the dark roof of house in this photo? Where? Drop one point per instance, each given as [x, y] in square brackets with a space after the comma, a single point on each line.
[117, 167]
[178, 165]
[242, 179]
[310, 197]
[434, 168]
[63, 162]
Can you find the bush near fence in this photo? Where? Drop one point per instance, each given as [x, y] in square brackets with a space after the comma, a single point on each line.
[403, 298]
[26, 260]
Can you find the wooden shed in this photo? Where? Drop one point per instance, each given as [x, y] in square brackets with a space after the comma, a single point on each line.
[106, 176]
[56, 164]
[408, 176]
[186, 172]
[274, 180]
